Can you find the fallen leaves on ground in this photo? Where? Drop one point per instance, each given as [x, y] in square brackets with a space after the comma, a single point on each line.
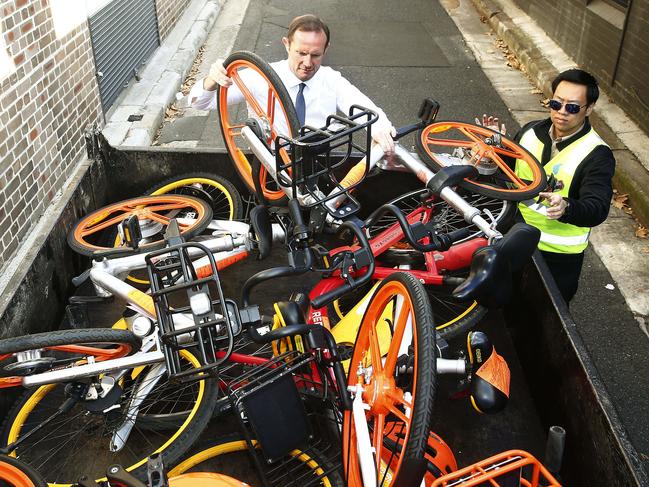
[620, 200]
[510, 56]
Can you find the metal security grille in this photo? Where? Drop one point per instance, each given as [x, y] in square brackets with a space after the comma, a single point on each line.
[124, 34]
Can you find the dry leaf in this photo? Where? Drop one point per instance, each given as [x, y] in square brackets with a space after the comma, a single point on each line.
[646, 249]
[623, 197]
[642, 232]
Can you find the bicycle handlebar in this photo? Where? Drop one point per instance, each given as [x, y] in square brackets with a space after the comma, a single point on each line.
[351, 283]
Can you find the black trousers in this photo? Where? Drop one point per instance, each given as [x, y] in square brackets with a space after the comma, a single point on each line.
[565, 268]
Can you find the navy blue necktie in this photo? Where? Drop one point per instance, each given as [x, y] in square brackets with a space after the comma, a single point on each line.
[300, 107]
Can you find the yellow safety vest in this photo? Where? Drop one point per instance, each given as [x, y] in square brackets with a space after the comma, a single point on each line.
[556, 236]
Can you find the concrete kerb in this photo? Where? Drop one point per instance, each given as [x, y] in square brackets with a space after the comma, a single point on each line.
[161, 79]
[632, 176]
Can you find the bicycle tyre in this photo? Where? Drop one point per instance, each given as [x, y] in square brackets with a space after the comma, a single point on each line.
[230, 128]
[15, 473]
[472, 138]
[63, 341]
[225, 198]
[91, 232]
[323, 471]
[406, 461]
[89, 430]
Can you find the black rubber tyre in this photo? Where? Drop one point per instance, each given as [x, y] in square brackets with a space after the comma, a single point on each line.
[445, 217]
[67, 337]
[89, 234]
[77, 442]
[298, 469]
[224, 197]
[230, 126]
[498, 185]
[14, 473]
[384, 384]
[453, 317]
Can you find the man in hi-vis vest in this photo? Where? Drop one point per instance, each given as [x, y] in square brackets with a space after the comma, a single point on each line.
[570, 149]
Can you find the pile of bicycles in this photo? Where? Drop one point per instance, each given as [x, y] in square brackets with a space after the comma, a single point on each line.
[337, 385]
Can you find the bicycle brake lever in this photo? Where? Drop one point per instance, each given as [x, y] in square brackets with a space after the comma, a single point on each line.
[81, 278]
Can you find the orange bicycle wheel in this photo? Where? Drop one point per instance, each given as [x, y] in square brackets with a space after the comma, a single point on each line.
[269, 103]
[394, 361]
[15, 473]
[97, 230]
[490, 152]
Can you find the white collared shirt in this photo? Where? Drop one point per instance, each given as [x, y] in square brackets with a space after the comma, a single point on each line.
[554, 150]
[326, 93]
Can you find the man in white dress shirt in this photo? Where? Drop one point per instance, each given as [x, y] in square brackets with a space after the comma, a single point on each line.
[324, 90]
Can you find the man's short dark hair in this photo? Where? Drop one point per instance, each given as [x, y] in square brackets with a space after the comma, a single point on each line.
[580, 77]
[308, 23]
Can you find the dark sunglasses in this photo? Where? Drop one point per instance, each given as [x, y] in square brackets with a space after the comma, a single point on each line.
[572, 108]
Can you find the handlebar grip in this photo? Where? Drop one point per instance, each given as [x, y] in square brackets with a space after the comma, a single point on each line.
[81, 278]
[278, 334]
[331, 296]
[295, 212]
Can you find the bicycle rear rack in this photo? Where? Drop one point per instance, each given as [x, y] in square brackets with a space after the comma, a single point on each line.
[317, 157]
[188, 316]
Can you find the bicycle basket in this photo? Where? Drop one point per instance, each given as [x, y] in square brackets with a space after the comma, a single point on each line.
[188, 315]
[319, 159]
[513, 468]
[288, 415]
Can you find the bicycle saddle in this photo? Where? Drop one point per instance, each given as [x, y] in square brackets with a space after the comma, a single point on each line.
[450, 176]
[262, 230]
[490, 277]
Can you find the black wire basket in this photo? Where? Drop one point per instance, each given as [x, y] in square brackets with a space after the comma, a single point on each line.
[191, 310]
[319, 166]
[288, 412]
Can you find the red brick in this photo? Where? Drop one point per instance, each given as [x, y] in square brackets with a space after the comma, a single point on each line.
[26, 26]
[33, 134]
[77, 87]
[19, 59]
[48, 65]
[11, 36]
[21, 3]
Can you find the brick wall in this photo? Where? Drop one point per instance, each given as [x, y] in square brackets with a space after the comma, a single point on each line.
[591, 33]
[44, 106]
[169, 11]
[631, 86]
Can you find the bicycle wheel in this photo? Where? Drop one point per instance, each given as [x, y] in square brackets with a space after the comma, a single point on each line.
[223, 197]
[475, 145]
[394, 362]
[97, 230]
[299, 468]
[15, 473]
[77, 442]
[268, 102]
[61, 348]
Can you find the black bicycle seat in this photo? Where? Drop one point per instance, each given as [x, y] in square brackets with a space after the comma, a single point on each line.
[450, 176]
[262, 230]
[490, 277]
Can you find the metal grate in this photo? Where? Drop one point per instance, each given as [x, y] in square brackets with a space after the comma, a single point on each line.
[124, 34]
